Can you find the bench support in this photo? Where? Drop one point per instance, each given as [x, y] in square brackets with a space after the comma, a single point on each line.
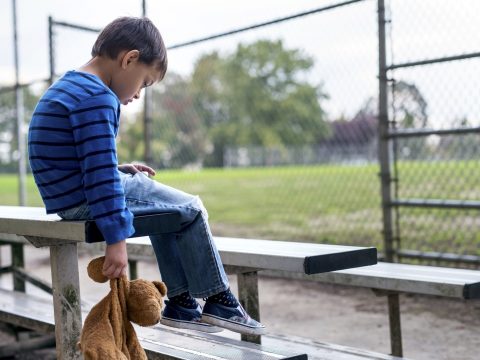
[395, 325]
[248, 296]
[393, 299]
[18, 262]
[66, 300]
[133, 269]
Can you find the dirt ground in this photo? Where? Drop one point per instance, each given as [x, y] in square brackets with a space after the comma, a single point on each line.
[433, 328]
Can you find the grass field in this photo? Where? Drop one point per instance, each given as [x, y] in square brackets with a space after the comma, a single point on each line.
[334, 204]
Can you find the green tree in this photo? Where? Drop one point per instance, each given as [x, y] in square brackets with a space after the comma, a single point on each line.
[257, 96]
[8, 123]
[179, 131]
[409, 105]
[178, 134]
[130, 142]
[408, 108]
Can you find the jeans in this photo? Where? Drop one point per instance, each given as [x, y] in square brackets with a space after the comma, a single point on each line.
[187, 260]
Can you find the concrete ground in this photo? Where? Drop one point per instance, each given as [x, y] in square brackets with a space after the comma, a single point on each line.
[433, 328]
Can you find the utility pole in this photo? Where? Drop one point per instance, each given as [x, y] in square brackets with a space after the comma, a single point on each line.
[51, 55]
[20, 115]
[147, 112]
[17, 254]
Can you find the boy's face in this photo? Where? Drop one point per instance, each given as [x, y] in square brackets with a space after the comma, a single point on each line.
[132, 77]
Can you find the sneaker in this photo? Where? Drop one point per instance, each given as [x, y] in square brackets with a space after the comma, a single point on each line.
[184, 318]
[232, 318]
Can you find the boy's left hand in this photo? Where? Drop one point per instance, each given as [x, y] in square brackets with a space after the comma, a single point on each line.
[136, 168]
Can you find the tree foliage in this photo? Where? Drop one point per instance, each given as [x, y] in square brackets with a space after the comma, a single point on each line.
[256, 96]
[409, 105]
[178, 133]
[8, 124]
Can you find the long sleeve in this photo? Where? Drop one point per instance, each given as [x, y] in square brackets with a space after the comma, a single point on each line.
[94, 125]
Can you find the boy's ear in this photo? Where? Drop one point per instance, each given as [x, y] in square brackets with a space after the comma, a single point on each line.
[129, 57]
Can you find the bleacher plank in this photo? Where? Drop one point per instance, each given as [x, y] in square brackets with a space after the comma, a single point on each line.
[14, 305]
[305, 258]
[415, 279]
[34, 222]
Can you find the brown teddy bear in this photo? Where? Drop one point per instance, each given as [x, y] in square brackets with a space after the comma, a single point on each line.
[107, 332]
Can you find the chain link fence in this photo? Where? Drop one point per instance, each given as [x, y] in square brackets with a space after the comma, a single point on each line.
[289, 115]
[436, 123]
[275, 126]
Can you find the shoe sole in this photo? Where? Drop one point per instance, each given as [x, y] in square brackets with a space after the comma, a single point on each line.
[190, 326]
[232, 326]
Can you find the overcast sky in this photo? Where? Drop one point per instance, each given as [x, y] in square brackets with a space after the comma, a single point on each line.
[343, 42]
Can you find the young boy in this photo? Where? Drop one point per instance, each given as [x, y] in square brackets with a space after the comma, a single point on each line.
[74, 162]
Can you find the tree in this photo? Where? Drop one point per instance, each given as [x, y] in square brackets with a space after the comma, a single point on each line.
[8, 121]
[409, 106]
[358, 131]
[257, 96]
[177, 122]
[130, 139]
[179, 137]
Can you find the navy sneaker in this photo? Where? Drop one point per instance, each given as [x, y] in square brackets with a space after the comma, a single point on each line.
[184, 318]
[231, 318]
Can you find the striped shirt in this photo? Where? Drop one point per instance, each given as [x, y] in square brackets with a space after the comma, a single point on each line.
[72, 152]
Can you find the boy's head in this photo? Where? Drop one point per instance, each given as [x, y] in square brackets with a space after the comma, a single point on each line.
[137, 47]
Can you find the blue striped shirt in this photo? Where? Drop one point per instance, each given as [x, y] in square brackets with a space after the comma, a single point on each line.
[72, 152]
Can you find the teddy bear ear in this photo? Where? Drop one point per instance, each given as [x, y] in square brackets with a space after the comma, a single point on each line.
[94, 270]
[161, 287]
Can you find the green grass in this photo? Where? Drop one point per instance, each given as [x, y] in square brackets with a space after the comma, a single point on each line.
[304, 203]
[329, 204]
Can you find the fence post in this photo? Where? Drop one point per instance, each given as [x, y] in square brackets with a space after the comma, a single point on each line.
[147, 113]
[51, 52]
[384, 148]
[384, 155]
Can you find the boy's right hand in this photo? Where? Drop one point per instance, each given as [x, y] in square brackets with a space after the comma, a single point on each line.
[116, 260]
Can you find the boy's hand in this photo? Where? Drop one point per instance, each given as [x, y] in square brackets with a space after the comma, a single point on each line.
[116, 260]
[135, 168]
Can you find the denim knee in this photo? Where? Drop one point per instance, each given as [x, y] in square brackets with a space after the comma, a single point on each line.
[197, 203]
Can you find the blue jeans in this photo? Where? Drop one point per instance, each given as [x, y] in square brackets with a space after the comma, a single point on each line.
[187, 260]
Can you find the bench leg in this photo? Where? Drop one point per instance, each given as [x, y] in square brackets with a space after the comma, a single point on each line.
[395, 326]
[18, 262]
[66, 300]
[248, 296]
[133, 269]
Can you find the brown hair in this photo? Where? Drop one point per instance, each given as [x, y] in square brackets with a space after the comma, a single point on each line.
[131, 33]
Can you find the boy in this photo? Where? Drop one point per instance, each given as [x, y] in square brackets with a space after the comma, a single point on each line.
[74, 162]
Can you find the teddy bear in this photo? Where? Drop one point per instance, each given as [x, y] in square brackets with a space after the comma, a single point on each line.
[107, 331]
